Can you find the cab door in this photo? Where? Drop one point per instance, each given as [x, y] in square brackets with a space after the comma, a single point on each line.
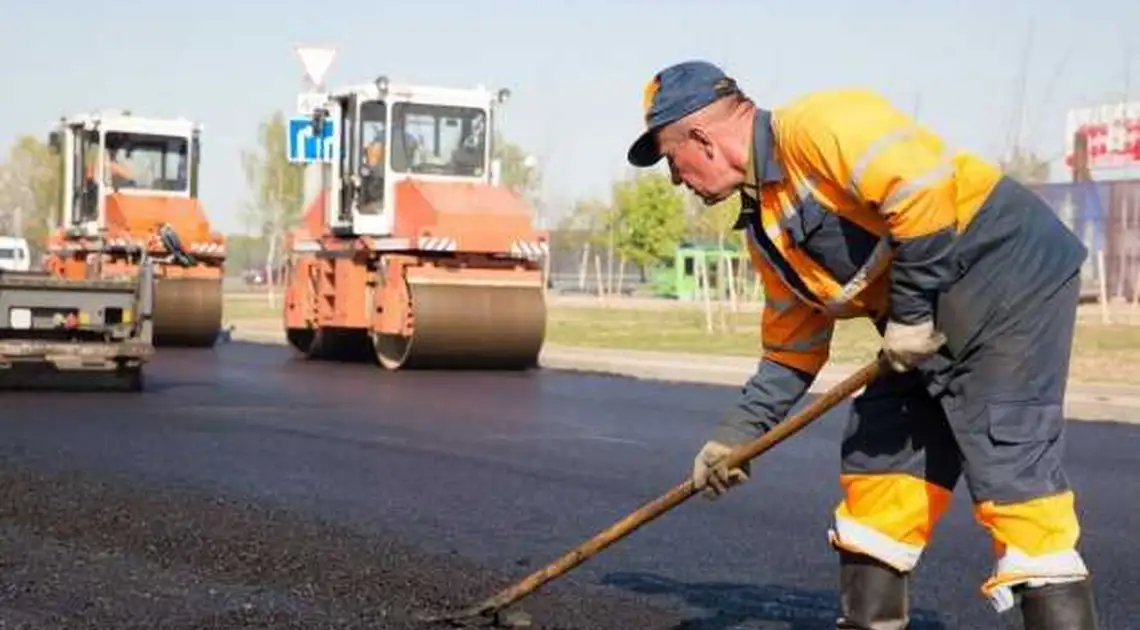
[332, 180]
[372, 212]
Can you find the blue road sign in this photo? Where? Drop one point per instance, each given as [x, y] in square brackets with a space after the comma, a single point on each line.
[307, 148]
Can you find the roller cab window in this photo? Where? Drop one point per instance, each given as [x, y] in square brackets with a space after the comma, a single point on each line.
[373, 143]
[136, 161]
[442, 140]
[85, 186]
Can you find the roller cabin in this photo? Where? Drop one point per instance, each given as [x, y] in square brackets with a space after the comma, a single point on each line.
[122, 177]
[409, 249]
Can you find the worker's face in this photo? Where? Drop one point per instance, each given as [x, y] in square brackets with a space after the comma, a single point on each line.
[697, 161]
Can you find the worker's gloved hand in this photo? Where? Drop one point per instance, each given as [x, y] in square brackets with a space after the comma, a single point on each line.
[905, 345]
[711, 478]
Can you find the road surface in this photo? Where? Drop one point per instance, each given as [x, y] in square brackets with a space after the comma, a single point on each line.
[248, 489]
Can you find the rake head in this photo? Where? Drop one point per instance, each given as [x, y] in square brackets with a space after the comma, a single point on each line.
[479, 617]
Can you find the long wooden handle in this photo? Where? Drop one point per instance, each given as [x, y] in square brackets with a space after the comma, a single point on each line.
[679, 494]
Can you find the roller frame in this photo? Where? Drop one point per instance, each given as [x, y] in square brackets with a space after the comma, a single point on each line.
[392, 331]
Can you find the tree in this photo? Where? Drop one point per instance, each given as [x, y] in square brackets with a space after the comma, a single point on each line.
[587, 229]
[648, 219]
[277, 186]
[519, 171]
[713, 225]
[1026, 167]
[29, 190]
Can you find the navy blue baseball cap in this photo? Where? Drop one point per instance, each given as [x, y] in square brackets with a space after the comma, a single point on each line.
[672, 94]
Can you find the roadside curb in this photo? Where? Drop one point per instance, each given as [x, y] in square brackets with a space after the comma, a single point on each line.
[1083, 402]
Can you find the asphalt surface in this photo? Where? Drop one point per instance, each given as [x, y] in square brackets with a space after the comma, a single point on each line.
[247, 489]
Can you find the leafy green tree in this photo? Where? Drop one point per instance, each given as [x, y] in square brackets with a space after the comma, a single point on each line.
[30, 189]
[277, 187]
[648, 219]
[712, 224]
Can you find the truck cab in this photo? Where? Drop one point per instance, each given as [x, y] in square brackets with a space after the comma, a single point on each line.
[386, 132]
[114, 153]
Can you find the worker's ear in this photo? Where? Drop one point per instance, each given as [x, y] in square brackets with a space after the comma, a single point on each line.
[700, 136]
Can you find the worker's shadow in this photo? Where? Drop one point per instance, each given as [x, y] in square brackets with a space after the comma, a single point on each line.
[732, 606]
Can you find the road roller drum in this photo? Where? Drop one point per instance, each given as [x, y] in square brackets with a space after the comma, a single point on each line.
[187, 311]
[468, 325]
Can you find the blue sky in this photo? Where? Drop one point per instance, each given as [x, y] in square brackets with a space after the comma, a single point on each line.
[576, 69]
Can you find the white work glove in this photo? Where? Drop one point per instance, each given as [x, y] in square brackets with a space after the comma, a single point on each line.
[905, 346]
[718, 480]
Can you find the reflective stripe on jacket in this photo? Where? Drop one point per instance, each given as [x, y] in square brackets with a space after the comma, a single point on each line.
[857, 212]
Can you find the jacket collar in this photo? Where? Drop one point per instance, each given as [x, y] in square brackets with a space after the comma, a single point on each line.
[762, 167]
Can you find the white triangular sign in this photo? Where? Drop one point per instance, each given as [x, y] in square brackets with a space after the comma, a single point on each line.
[316, 61]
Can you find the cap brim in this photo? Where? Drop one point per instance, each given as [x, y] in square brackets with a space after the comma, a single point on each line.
[643, 152]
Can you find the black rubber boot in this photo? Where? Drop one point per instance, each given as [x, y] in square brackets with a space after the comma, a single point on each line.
[1068, 606]
[872, 595]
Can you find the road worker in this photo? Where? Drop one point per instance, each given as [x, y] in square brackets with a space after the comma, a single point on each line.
[372, 186]
[853, 210]
[114, 171]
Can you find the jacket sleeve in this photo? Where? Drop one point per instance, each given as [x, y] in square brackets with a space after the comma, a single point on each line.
[795, 340]
[859, 142]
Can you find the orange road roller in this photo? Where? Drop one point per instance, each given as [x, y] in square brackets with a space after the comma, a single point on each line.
[409, 250]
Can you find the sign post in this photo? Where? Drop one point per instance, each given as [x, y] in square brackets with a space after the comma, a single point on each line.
[303, 146]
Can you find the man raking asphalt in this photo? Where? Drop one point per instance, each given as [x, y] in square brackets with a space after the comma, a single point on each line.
[852, 209]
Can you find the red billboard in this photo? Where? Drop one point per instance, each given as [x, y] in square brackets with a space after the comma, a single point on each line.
[1113, 133]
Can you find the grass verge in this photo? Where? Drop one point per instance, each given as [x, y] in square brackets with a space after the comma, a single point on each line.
[1102, 354]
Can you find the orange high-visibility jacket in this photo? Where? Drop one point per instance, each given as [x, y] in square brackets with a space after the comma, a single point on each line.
[374, 154]
[856, 213]
[854, 210]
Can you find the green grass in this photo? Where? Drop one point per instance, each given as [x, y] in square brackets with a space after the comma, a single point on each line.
[1108, 354]
[685, 330]
[247, 308]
